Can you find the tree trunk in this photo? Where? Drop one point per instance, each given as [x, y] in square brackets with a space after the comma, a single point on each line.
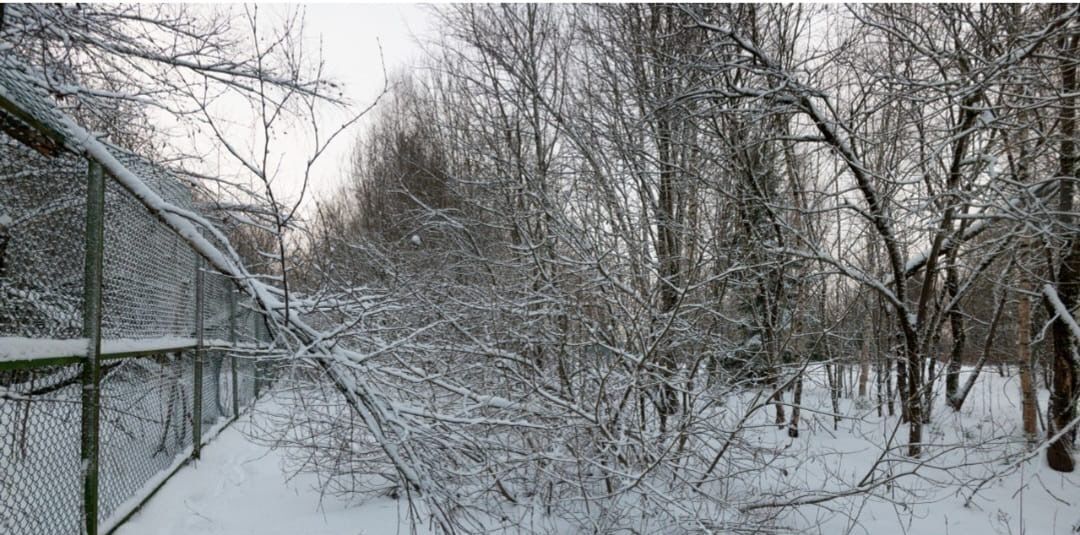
[956, 327]
[883, 363]
[881, 376]
[793, 428]
[864, 366]
[928, 388]
[1028, 401]
[778, 401]
[901, 391]
[833, 373]
[913, 400]
[1061, 409]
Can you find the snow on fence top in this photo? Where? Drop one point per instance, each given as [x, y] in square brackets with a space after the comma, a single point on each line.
[143, 281]
[26, 111]
[155, 240]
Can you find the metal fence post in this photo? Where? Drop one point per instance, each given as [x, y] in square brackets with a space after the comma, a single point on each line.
[91, 372]
[196, 418]
[233, 359]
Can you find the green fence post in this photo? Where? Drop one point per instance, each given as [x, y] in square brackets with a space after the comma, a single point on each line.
[232, 361]
[91, 372]
[196, 418]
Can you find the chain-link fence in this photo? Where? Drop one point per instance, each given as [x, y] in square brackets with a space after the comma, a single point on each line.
[121, 353]
[148, 406]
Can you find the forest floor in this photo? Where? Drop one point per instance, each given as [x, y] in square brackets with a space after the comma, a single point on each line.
[977, 476]
[239, 487]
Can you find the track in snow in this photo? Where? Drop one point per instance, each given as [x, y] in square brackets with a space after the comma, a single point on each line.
[239, 488]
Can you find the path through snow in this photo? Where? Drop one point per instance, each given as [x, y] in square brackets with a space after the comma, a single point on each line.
[239, 488]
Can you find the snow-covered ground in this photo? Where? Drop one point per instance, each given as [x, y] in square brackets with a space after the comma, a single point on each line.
[972, 480]
[239, 488]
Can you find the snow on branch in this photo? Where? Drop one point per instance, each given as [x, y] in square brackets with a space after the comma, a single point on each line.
[1061, 310]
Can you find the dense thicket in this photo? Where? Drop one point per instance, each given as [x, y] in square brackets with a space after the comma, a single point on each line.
[577, 232]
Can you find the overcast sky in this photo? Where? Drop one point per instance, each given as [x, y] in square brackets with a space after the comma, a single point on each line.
[350, 35]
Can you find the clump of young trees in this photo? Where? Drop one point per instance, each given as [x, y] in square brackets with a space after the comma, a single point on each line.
[576, 233]
[584, 248]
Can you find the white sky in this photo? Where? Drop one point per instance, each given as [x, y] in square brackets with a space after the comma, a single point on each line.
[351, 34]
[350, 37]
